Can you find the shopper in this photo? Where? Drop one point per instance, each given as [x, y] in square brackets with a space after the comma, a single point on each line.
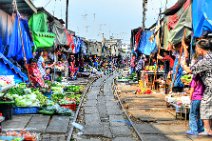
[140, 66]
[132, 64]
[196, 94]
[41, 63]
[203, 68]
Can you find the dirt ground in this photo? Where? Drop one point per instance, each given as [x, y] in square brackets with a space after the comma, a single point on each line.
[152, 110]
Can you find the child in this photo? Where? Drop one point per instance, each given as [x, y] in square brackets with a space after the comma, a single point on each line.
[196, 94]
[47, 76]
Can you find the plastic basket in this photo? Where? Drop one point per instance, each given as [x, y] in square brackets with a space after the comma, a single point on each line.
[72, 107]
[25, 110]
[48, 94]
[10, 138]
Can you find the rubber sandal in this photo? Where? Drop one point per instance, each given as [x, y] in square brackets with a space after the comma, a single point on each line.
[189, 132]
[204, 133]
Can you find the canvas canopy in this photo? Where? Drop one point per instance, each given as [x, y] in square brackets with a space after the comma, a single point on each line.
[61, 35]
[174, 25]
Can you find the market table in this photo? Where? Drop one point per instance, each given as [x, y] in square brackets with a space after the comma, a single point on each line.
[150, 75]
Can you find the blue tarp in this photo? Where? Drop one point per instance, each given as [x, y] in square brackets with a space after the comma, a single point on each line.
[202, 17]
[5, 30]
[7, 68]
[15, 47]
[78, 44]
[146, 46]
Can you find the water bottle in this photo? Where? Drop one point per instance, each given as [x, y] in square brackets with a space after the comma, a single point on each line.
[78, 126]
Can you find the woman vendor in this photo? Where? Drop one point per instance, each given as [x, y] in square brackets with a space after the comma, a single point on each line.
[34, 73]
[204, 69]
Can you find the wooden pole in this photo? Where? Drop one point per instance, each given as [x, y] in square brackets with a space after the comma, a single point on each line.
[67, 4]
[159, 47]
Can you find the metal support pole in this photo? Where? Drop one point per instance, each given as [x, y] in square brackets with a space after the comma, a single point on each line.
[67, 4]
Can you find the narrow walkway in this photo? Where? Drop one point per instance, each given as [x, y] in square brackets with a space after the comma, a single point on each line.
[102, 114]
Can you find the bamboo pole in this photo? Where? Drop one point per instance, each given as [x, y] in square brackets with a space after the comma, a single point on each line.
[21, 35]
[159, 47]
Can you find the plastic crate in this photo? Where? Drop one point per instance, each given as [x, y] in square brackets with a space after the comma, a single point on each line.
[25, 110]
[72, 107]
[10, 138]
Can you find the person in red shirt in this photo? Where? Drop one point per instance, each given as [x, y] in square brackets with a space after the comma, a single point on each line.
[168, 63]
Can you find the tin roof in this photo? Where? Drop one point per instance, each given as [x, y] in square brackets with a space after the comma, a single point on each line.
[25, 7]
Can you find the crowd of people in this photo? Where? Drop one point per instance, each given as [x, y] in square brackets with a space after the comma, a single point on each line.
[200, 67]
[48, 66]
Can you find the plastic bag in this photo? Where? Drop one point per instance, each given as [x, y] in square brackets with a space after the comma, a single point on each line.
[64, 111]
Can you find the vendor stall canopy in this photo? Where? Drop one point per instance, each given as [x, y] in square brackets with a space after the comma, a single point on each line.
[202, 17]
[146, 46]
[177, 19]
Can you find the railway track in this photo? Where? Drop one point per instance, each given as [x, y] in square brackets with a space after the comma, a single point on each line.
[125, 112]
[70, 134]
[102, 125]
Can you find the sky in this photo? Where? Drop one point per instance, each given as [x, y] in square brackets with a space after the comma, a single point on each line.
[92, 18]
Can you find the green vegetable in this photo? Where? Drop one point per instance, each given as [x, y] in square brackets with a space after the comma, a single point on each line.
[57, 97]
[65, 102]
[17, 139]
[46, 112]
[59, 79]
[77, 97]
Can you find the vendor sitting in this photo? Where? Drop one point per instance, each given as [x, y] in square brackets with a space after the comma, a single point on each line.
[34, 73]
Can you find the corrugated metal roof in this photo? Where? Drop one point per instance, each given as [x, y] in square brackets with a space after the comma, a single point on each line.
[25, 7]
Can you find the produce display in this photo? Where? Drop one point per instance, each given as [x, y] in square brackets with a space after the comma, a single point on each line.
[26, 97]
[74, 97]
[6, 80]
[59, 100]
[133, 77]
[150, 68]
[22, 135]
[186, 79]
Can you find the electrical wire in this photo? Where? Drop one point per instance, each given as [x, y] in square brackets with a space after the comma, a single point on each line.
[47, 3]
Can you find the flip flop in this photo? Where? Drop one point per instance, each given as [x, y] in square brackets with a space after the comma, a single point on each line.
[205, 134]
